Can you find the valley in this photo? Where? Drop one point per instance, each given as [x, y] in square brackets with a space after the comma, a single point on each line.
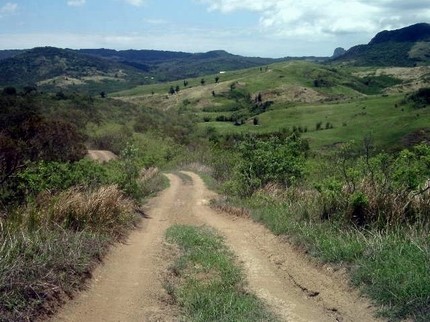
[306, 180]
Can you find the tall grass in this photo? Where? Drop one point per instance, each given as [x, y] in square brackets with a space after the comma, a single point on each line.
[105, 210]
[391, 265]
[40, 269]
[49, 247]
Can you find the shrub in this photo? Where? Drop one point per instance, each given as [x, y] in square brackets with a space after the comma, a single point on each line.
[379, 189]
[274, 160]
[56, 176]
[421, 98]
[112, 139]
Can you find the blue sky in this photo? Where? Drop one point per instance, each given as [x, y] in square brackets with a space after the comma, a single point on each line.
[267, 28]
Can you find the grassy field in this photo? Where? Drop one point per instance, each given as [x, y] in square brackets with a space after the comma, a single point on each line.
[377, 116]
[344, 103]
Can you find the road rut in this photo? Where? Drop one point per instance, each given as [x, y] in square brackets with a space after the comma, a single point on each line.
[128, 286]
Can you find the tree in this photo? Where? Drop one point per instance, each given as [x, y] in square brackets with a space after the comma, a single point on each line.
[185, 83]
[202, 81]
[177, 89]
[216, 80]
[103, 94]
[9, 91]
[213, 93]
[171, 90]
[26, 136]
[29, 89]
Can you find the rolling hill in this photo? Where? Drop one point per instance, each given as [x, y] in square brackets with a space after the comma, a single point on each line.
[406, 47]
[49, 67]
[101, 69]
[167, 65]
[328, 104]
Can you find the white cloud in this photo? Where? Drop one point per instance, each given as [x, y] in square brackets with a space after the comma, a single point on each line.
[76, 3]
[289, 19]
[136, 3]
[8, 8]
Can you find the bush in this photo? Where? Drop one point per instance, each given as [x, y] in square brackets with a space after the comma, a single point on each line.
[112, 139]
[379, 189]
[56, 176]
[274, 160]
[421, 98]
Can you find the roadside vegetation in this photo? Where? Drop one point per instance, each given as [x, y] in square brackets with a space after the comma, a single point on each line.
[344, 175]
[59, 211]
[358, 207]
[334, 157]
[206, 282]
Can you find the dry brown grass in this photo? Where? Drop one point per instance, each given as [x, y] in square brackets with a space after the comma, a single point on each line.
[147, 174]
[48, 248]
[106, 210]
[222, 205]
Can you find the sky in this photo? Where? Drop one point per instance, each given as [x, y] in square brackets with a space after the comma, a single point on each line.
[265, 28]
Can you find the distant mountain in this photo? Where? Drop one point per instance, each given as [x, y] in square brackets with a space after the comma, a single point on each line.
[54, 67]
[9, 53]
[141, 56]
[409, 46]
[107, 69]
[414, 33]
[168, 65]
[44, 64]
[338, 52]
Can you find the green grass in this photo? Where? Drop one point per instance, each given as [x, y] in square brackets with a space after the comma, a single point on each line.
[253, 80]
[353, 120]
[395, 271]
[209, 286]
[392, 267]
[354, 106]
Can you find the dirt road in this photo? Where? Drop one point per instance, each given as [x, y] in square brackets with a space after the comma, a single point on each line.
[101, 155]
[128, 287]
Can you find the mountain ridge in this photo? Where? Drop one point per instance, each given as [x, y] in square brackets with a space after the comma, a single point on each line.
[42, 65]
[404, 47]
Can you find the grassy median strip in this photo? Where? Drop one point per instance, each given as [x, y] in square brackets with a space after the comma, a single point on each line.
[206, 282]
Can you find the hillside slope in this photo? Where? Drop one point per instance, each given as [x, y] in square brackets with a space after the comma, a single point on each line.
[49, 65]
[169, 65]
[409, 46]
[52, 67]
